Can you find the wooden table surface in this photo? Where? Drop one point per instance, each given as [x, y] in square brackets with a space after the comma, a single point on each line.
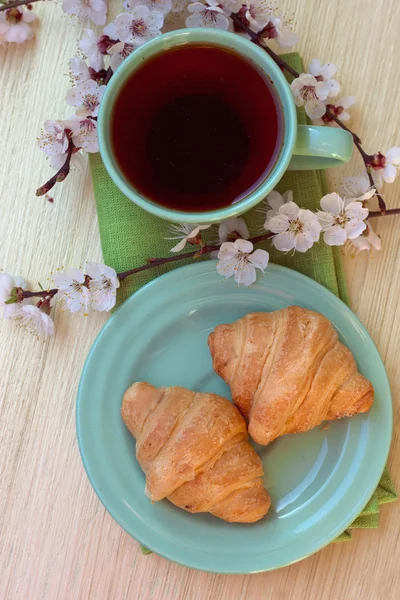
[57, 540]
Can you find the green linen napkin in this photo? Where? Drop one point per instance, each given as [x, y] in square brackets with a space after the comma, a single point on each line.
[129, 236]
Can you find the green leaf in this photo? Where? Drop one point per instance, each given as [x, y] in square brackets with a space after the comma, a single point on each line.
[145, 550]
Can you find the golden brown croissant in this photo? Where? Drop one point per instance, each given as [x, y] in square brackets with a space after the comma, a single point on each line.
[288, 372]
[194, 451]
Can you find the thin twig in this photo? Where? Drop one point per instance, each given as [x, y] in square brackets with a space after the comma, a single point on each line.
[17, 3]
[379, 213]
[156, 262]
[40, 294]
[61, 173]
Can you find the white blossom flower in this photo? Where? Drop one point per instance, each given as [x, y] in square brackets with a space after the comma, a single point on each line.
[259, 12]
[118, 52]
[139, 26]
[339, 108]
[325, 73]
[34, 320]
[95, 10]
[185, 233]
[238, 259]
[86, 96]
[278, 29]
[7, 283]
[54, 142]
[71, 287]
[310, 93]
[343, 219]
[79, 71]
[83, 133]
[88, 45]
[207, 15]
[368, 241]
[54, 138]
[102, 285]
[235, 226]
[274, 201]
[387, 165]
[295, 228]
[162, 6]
[15, 25]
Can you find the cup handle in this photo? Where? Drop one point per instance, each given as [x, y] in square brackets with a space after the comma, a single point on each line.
[320, 148]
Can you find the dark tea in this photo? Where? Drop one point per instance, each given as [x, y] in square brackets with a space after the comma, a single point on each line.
[196, 128]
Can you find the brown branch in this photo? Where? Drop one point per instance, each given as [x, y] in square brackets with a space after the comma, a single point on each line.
[17, 3]
[387, 213]
[61, 173]
[108, 75]
[156, 262]
[201, 251]
[256, 38]
[40, 294]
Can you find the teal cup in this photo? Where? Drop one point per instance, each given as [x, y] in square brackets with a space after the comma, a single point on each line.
[304, 147]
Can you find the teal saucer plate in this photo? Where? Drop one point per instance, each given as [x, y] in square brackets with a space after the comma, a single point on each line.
[318, 481]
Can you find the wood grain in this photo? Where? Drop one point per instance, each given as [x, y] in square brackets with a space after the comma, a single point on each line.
[57, 541]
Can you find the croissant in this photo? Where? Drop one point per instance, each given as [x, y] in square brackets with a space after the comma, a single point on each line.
[288, 372]
[194, 451]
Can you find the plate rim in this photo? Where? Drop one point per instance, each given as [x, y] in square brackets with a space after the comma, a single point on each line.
[360, 504]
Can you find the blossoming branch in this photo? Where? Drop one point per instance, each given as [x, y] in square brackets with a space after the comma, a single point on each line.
[260, 20]
[342, 220]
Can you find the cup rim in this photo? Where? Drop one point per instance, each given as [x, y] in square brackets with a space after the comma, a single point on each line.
[213, 37]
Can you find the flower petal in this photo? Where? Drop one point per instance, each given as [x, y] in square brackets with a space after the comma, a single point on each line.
[393, 155]
[290, 210]
[344, 116]
[229, 226]
[334, 88]
[328, 71]
[243, 246]
[367, 195]
[355, 210]
[307, 80]
[228, 251]
[275, 200]
[245, 274]
[373, 238]
[226, 268]
[284, 241]
[288, 196]
[259, 258]
[326, 220]
[314, 109]
[278, 224]
[361, 243]
[346, 101]
[389, 173]
[322, 89]
[335, 236]
[302, 243]
[354, 228]
[179, 246]
[315, 67]
[92, 269]
[332, 203]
